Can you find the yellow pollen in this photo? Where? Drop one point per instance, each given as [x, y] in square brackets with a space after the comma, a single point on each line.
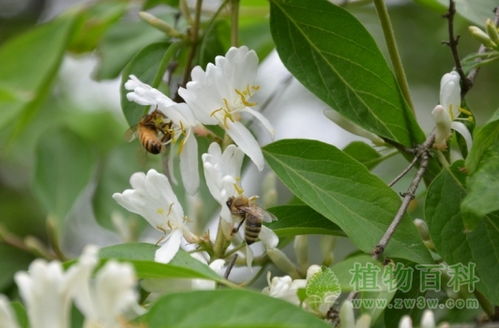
[160, 211]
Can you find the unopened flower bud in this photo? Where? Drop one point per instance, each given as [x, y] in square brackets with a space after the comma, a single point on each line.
[442, 127]
[350, 126]
[269, 190]
[282, 262]
[422, 229]
[405, 322]
[347, 317]
[428, 320]
[327, 244]
[493, 31]
[364, 321]
[160, 25]
[481, 36]
[301, 251]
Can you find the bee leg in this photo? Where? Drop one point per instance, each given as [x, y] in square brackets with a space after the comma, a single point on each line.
[231, 265]
[234, 230]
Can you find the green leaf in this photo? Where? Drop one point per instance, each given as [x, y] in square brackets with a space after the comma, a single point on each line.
[114, 174]
[483, 166]
[144, 65]
[11, 260]
[215, 42]
[20, 312]
[64, 165]
[344, 191]
[148, 4]
[24, 81]
[227, 308]
[334, 56]
[121, 42]
[95, 20]
[141, 255]
[363, 153]
[453, 242]
[301, 220]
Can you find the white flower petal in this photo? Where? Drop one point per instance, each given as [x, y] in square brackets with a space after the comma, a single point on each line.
[428, 320]
[442, 126]
[450, 93]
[405, 322]
[463, 130]
[7, 316]
[246, 142]
[263, 120]
[268, 237]
[170, 247]
[189, 168]
[249, 256]
[347, 316]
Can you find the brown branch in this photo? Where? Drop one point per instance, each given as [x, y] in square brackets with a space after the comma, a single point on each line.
[473, 73]
[423, 155]
[466, 83]
[231, 265]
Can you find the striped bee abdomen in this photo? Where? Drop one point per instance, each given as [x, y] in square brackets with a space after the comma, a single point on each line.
[252, 228]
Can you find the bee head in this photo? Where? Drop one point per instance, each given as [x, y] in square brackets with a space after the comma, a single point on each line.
[229, 202]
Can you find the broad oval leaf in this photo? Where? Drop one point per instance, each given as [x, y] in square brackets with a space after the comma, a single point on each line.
[24, 81]
[145, 66]
[364, 154]
[332, 54]
[301, 220]
[64, 166]
[452, 241]
[345, 192]
[227, 308]
[141, 256]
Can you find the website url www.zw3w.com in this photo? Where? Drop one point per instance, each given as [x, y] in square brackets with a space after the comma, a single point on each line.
[415, 303]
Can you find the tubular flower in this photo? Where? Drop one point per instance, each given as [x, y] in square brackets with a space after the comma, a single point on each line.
[105, 298]
[447, 112]
[219, 95]
[182, 123]
[223, 174]
[46, 291]
[7, 316]
[152, 198]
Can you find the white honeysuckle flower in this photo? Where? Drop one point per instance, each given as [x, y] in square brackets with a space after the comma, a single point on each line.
[443, 127]
[103, 300]
[270, 241]
[450, 93]
[217, 265]
[183, 122]
[219, 95]
[347, 316]
[46, 291]
[222, 172]
[284, 288]
[446, 113]
[152, 197]
[7, 316]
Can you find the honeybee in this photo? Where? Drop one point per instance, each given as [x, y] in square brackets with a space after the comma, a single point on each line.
[248, 211]
[153, 131]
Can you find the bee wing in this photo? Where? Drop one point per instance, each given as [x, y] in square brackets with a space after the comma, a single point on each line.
[267, 216]
[131, 134]
[260, 212]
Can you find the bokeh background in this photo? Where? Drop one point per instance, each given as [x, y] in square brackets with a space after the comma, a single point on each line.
[75, 134]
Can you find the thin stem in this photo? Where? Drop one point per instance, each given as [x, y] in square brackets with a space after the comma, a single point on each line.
[234, 26]
[391, 44]
[473, 73]
[408, 196]
[423, 156]
[466, 84]
[194, 38]
[405, 171]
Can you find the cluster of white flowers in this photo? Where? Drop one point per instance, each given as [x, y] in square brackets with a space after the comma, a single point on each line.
[446, 113]
[218, 96]
[47, 291]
